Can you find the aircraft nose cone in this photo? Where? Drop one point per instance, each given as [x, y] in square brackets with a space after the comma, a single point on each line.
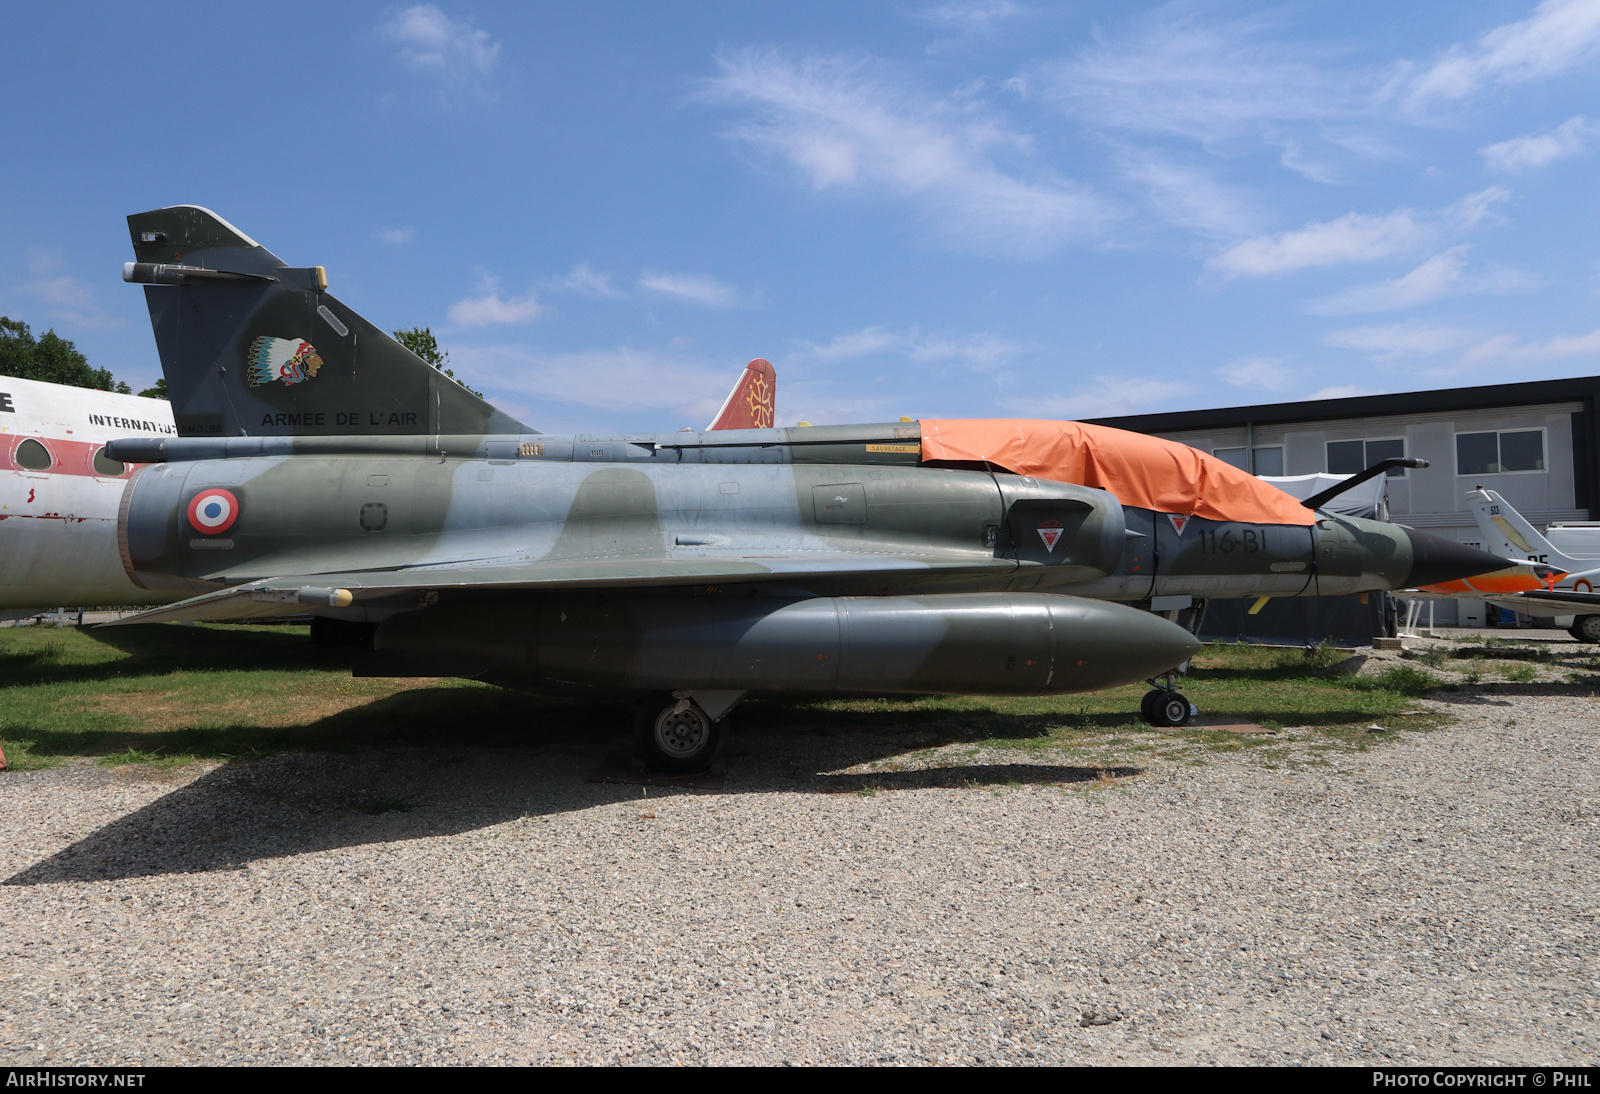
[1435, 559]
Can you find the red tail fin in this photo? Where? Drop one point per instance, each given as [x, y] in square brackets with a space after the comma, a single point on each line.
[751, 402]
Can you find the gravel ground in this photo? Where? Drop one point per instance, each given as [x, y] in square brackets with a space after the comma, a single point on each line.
[1432, 901]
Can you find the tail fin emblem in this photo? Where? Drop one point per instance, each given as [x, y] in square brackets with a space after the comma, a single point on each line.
[290, 360]
[751, 403]
[1050, 531]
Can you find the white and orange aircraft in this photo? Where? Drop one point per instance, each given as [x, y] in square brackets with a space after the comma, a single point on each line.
[59, 493]
[1549, 582]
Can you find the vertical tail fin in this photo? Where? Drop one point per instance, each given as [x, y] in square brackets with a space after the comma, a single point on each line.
[751, 403]
[251, 346]
[1508, 533]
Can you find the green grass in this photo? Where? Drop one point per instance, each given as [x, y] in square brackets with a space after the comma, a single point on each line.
[1434, 657]
[170, 695]
[1271, 687]
[154, 759]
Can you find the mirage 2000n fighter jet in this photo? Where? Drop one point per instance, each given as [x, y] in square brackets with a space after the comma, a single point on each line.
[321, 466]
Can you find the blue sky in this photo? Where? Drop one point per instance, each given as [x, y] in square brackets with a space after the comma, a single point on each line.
[986, 208]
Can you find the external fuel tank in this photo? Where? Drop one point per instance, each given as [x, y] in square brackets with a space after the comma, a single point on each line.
[970, 643]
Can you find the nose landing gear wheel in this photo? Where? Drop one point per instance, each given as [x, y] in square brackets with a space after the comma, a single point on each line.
[1167, 709]
[1586, 628]
[677, 736]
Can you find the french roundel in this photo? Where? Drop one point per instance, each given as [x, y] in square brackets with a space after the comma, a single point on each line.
[213, 511]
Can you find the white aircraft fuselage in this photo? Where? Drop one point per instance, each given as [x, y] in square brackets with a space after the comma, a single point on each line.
[59, 495]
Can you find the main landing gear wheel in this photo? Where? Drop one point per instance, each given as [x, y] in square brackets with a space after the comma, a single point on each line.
[676, 736]
[1586, 628]
[1167, 709]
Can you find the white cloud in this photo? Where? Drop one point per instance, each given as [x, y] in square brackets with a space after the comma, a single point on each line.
[1559, 36]
[1538, 149]
[838, 408]
[620, 379]
[1189, 197]
[1260, 373]
[1105, 397]
[1474, 209]
[459, 57]
[1218, 84]
[1508, 348]
[400, 233]
[1442, 275]
[1340, 391]
[64, 298]
[1398, 340]
[861, 343]
[967, 16]
[707, 292]
[842, 126]
[586, 282]
[1354, 237]
[1234, 84]
[981, 352]
[490, 307]
[1428, 282]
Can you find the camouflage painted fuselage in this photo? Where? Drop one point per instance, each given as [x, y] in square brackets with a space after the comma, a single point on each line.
[826, 503]
[475, 553]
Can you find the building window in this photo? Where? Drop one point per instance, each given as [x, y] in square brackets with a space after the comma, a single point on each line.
[1349, 457]
[1499, 453]
[1268, 459]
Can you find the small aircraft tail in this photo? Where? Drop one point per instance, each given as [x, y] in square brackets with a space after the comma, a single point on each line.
[751, 403]
[1507, 532]
[251, 346]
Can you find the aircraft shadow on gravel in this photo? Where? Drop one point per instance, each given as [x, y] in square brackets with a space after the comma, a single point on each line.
[308, 801]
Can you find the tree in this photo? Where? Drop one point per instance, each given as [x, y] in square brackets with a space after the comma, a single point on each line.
[157, 392]
[420, 341]
[50, 358]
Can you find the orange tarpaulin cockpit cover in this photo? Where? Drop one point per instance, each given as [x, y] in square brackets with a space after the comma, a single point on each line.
[1142, 471]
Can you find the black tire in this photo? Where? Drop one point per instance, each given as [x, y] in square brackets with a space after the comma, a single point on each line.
[1147, 706]
[1170, 711]
[681, 742]
[1586, 628]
